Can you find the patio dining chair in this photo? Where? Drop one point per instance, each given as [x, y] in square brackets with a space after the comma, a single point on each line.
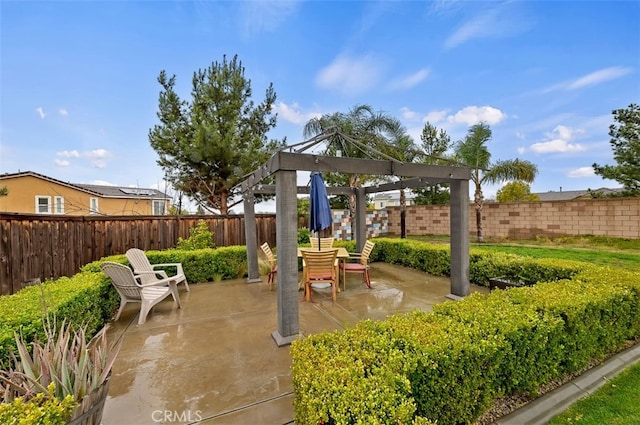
[148, 273]
[131, 289]
[319, 267]
[273, 264]
[361, 266]
[323, 242]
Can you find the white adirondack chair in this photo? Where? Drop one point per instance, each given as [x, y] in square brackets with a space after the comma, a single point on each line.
[143, 268]
[132, 290]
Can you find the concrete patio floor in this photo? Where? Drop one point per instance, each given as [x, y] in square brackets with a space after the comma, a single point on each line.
[214, 361]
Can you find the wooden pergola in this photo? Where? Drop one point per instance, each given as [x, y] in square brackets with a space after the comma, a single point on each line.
[284, 166]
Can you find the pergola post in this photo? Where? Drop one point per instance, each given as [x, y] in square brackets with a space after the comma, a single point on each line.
[287, 245]
[361, 218]
[251, 238]
[459, 239]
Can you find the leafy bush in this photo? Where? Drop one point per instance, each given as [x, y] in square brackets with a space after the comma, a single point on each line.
[43, 408]
[200, 237]
[304, 236]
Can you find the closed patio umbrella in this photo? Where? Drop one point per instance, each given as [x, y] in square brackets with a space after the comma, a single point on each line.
[320, 216]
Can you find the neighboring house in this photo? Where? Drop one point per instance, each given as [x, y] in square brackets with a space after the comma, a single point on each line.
[391, 199]
[568, 195]
[29, 192]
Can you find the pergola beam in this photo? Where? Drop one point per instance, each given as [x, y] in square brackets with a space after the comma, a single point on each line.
[310, 162]
[268, 189]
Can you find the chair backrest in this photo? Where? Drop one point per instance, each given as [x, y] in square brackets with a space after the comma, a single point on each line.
[320, 264]
[324, 242]
[140, 263]
[123, 279]
[269, 254]
[366, 252]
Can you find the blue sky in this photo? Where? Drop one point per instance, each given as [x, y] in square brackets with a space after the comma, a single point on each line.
[78, 89]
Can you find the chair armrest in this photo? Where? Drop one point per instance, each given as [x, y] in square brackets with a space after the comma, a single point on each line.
[176, 265]
[353, 256]
[161, 282]
[154, 273]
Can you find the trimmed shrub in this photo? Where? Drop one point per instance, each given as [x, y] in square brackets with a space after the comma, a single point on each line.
[461, 356]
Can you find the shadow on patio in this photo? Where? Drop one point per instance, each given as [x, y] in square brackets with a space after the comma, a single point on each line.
[214, 361]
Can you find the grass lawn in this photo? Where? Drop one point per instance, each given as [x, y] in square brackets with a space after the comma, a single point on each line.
[600, 256]
[616, 403]
[603, 251]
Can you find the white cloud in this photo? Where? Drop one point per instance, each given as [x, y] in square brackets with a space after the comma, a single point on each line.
[434, 117]
[498, 22]
[97, 154]
[440, 7]
[259, 16]
[581, 172]
[520, 135]
[408, 114]
[596, 77]
[63, 112]
[293, 114]
[471, 115]
[521, 150]
[559, 141]
[68, 154]
[98, 157]
[557, 145]
[411, 80]
[350, 76]
[102, 183]
[40, 112]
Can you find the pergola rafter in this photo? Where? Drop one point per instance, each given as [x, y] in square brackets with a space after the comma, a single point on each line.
[284, 166]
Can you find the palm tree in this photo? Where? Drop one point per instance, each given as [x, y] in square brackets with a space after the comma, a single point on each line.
[403, 149]
[473, 151]
[371, 129]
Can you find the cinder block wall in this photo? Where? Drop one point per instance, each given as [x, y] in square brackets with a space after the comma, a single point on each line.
[606, 217]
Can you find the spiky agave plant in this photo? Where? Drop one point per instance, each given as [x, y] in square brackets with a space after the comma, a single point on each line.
[75, 365]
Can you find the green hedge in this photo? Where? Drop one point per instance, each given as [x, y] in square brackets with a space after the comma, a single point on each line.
[200, 265]
[84, 298]
[435, 259]
[450, 364]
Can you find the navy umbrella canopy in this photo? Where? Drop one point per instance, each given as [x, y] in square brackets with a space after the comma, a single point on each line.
[320, 216]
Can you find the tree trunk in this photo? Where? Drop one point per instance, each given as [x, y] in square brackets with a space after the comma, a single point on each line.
[352, 214]
[352, 204]
[224, 204]
[478, 201]
[403, 215]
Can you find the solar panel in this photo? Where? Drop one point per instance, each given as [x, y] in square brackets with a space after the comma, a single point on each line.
[135, 191]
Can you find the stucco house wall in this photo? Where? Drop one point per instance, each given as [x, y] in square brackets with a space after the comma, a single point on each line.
[29, 193]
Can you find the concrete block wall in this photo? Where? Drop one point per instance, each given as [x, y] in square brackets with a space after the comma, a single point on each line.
[615, 217]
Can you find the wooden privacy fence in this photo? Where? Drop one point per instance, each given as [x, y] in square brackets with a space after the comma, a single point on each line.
[48, 246]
